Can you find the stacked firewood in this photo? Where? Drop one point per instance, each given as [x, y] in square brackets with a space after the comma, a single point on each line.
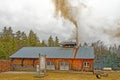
[5, 65]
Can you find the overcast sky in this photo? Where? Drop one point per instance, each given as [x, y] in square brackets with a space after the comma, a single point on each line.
[38, 15]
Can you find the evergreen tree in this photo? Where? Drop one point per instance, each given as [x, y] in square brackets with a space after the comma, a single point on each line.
[18, 39]
[24, 39]
[43, 44]
[85, 44]
[10, 42]
[50, 42]
[10, 32]
[33, 39]
[7, 42]
[2, 50]
[7, 34]
[57, 42]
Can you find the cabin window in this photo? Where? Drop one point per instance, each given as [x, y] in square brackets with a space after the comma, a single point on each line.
[50, 66]
[86, 64]
[50, 63]
[64, 66]
[66, 63]
[61, 63]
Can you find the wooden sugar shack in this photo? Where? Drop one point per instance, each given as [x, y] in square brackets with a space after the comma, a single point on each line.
[66, 57]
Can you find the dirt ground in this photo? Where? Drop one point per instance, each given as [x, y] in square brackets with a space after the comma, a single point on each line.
[55, 75]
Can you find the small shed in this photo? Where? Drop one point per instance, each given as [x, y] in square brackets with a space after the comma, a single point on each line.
[57, 58]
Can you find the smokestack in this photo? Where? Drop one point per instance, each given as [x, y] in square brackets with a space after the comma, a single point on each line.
[77, 37]
[77, 43]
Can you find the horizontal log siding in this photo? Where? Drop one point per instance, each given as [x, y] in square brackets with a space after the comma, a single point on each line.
[74, 64]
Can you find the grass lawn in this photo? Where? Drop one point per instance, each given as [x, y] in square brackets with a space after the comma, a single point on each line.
[59, 76]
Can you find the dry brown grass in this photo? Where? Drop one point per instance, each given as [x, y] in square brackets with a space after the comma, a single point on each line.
[60, 76]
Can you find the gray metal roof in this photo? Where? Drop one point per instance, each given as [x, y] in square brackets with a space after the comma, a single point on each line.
[53, 52]
[85, 52]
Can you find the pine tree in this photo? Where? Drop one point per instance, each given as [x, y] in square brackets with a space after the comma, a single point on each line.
[50, 42]
[18, 39]
[10, 42]
[7, 42]
[2, 50]
[24, 39]
[33, 39]
[7, 34]
[43, 44]
[57, 42]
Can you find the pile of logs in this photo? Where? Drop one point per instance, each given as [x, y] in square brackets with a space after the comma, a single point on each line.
[100, 74]
[5, 65]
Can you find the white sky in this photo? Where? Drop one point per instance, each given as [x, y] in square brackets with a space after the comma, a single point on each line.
[38, 15]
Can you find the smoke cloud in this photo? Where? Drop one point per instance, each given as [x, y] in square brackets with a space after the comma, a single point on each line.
[66, 10]
[96, 22]
[70, 13]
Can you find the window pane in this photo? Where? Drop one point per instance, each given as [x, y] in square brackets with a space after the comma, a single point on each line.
[61, 63]
[86, 64]
[52, 63]
[66, 63]
[48, 63]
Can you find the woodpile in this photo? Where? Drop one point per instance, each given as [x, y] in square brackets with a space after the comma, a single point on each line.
[100, 73]
[5, 65]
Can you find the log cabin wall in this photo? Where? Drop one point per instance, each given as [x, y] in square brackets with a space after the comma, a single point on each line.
[16, 61]
[24, 64]
[74, 64]
[88, 64]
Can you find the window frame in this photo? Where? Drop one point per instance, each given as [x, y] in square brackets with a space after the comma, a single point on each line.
[86, 64]
[50, 63]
